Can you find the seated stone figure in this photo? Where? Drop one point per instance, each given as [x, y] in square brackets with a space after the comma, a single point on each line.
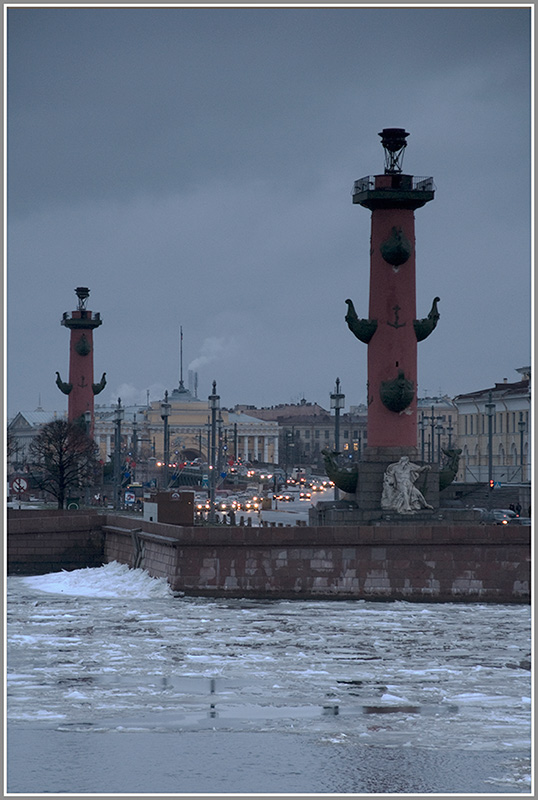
[399, 492]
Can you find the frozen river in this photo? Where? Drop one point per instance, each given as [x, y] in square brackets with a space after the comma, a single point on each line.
[117, 686]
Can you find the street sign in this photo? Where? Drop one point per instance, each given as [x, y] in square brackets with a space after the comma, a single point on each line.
[205, 480]
[19, 485]
[497, 485]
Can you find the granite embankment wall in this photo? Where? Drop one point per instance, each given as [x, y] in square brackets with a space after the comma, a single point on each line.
[443, 563]
[50, 540]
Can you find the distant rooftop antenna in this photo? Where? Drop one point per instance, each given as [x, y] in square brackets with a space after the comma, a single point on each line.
[394, 144]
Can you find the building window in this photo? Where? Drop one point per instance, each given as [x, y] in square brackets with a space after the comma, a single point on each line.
[327, 434]
[346, 434]
[307, 434]
[317, 434]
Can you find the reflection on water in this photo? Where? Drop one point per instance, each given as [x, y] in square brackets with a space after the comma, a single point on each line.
[254, 694]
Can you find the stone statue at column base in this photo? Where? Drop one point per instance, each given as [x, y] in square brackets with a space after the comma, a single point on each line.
[399, 491]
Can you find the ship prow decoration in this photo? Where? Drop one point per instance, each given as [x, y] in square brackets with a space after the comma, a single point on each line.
[344, 478]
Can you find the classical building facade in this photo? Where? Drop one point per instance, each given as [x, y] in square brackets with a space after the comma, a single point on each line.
[306, 429]
[240, 436]
[494, 424]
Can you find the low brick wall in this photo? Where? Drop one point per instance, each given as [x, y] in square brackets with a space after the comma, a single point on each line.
[445, 564]
[51, 540]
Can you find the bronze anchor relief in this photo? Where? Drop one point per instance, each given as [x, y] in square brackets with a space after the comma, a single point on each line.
[396, 323]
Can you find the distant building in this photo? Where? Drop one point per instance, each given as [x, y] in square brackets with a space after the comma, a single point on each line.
[508, 404]
[21, 431]
[305, 429]
[142, 431]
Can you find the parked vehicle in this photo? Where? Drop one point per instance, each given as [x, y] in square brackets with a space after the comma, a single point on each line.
[500, 516]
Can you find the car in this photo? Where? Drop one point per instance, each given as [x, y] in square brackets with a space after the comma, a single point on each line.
[500, 516]
[520, 521]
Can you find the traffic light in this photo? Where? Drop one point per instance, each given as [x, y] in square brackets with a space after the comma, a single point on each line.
[491, 483]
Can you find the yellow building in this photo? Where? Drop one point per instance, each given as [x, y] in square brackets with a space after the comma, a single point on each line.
[189, 428]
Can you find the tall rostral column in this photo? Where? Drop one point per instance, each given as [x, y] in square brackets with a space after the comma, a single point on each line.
[81, 389]
[392, 330]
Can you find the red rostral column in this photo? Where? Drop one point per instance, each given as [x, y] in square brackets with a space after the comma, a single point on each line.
[392, 330]
[81, 389]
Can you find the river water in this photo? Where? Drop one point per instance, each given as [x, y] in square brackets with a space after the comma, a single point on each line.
[116, 686]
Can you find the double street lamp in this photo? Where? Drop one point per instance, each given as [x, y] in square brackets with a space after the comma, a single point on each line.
[118, 417]
[521, 425]
[164, 416]
[214, 404]
[490, 407]
[337, 403]
[431, 419]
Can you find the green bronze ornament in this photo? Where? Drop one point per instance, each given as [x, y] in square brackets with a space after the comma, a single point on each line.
[63, 386]
[397, 395]
[345, 478]
[83, 347]
[450, 469]
[397, 248]
[363, 329]
[423, 327]
[98, 387]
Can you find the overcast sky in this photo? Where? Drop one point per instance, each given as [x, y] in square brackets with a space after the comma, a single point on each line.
[193, 167]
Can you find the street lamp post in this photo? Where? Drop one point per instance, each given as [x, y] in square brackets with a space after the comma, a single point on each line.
[450, 430]
[422, 432]
[134, 449]
[521, 425]
[214, 406]
[439, 428]
[87, 422]
[490, 406]
[337, 402]
[118, 416]
[431, 419]
[164, 416]
[87, 429]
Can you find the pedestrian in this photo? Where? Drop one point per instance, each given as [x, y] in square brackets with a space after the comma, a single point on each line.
[518, 509]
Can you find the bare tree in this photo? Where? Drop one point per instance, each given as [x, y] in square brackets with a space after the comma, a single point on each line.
[62, 457]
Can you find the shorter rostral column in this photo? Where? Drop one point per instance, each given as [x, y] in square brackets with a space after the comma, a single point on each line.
[392, 329]
[81, 389]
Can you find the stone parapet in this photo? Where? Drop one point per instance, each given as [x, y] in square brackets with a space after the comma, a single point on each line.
[417, 562]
